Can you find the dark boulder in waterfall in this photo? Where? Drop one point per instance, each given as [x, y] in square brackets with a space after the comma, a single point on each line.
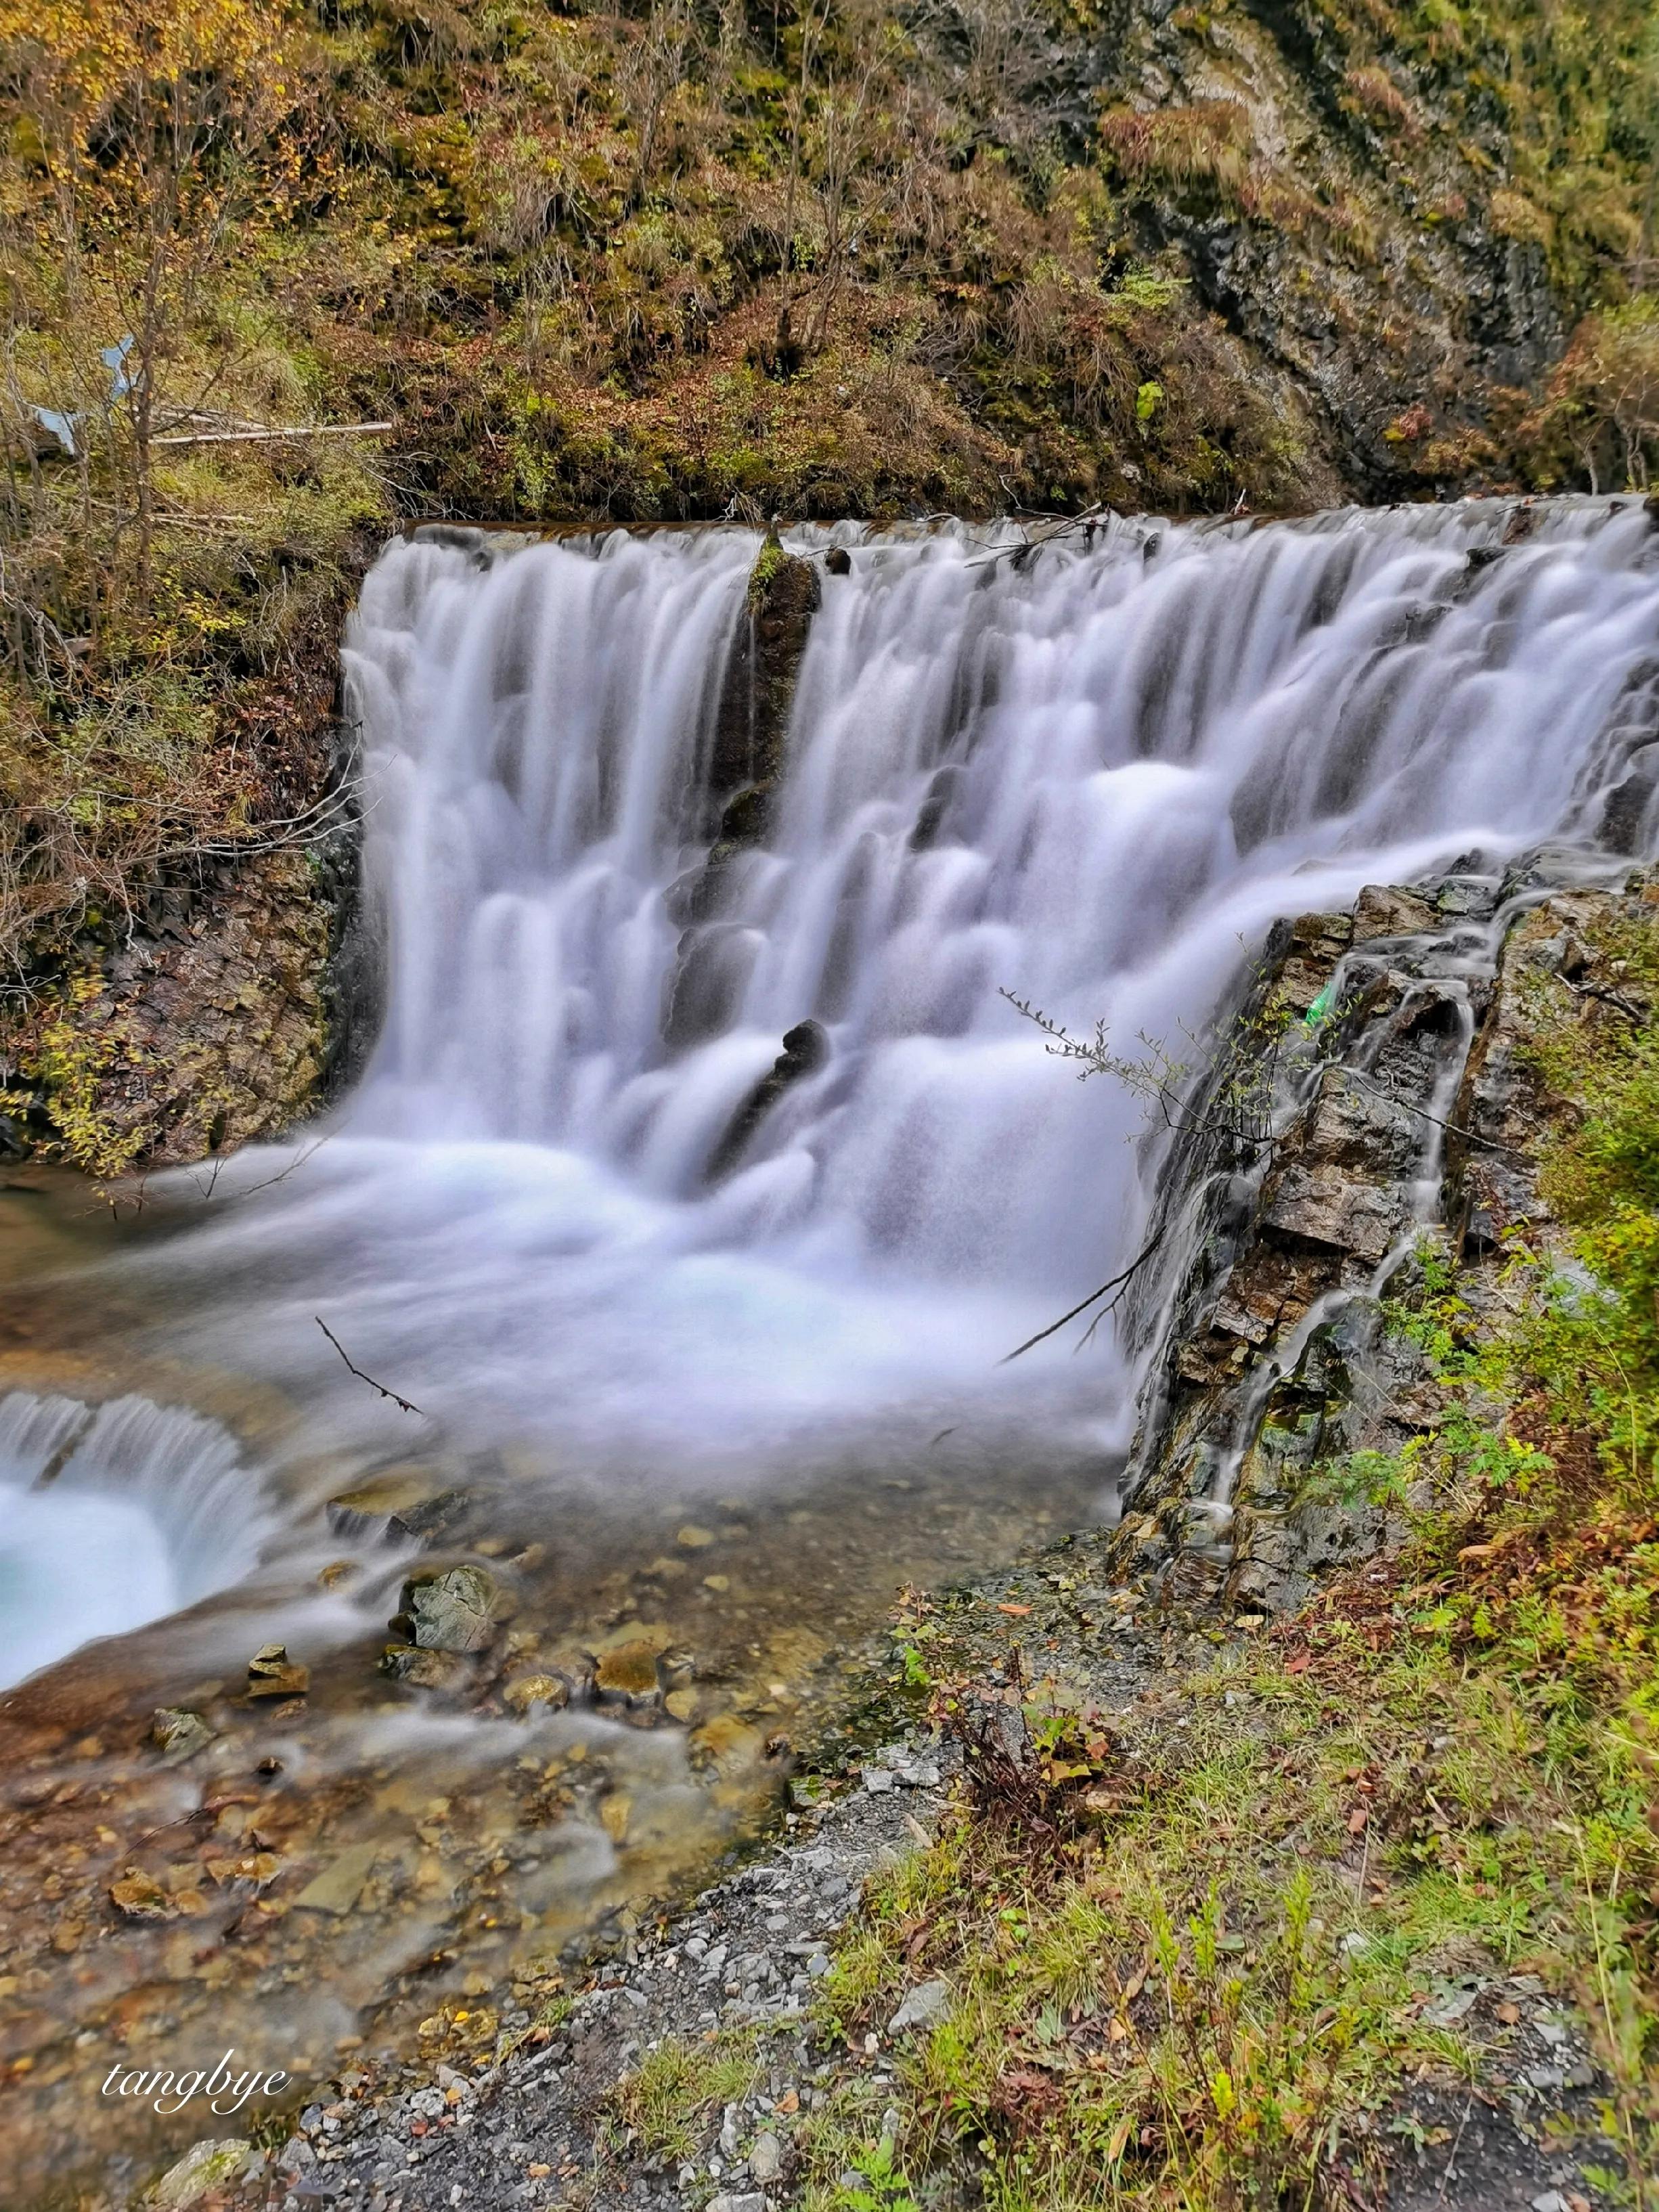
[805, 1049]
[783, 595]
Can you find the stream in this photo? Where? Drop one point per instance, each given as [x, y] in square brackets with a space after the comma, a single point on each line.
[693, 1386]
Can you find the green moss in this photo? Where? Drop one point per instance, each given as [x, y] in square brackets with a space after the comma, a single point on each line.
[769, 562]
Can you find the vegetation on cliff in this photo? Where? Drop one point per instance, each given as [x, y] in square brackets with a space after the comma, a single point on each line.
[684, 260]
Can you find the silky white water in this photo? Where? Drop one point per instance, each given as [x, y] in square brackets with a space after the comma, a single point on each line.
[1093, 779]
[110, 1516]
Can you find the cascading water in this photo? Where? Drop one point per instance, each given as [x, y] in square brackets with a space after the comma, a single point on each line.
[702, 1381]
[1092, 777]
[111, 1516]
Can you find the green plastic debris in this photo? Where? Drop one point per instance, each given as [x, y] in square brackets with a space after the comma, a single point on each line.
[1320, 1008]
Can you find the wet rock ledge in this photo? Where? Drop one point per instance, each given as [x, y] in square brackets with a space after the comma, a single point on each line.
[1405, 1125]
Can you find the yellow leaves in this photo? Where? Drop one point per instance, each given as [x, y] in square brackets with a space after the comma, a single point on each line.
[93, 59]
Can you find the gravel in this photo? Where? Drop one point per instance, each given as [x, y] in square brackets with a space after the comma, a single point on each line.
[535, 2130]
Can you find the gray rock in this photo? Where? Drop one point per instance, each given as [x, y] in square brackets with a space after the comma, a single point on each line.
[1450, 2007]
[926, 2003]
[456, 1610]
[205, 2167]
[766, 2158]
[752, 2200]
[422, 1670]
[399, 1505]
[178, 1733]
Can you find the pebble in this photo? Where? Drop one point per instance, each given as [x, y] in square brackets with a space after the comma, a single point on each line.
[926, 2003]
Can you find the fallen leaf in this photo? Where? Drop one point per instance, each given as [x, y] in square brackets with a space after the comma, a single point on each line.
[1300, 1664]
[139, 1896]
[1018, 1611]
[1357, 1819]
[1508, 2014]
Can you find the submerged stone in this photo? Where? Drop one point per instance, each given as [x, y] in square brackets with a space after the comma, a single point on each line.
[422, 1670]
[178, 1733]
[628, 1672]
[138, 1896]
[456, 1610]
[551, 1691]
[340, 1884]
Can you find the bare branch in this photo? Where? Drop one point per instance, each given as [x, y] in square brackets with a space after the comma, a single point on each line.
[1119, 1282]
[361, 1377]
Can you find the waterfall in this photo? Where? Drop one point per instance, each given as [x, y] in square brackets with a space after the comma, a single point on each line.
[111, 1516]
[1092, 776]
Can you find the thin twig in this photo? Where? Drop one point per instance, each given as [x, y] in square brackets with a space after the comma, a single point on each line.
[1029, 545]
[1456, 1128]
[359, 1373]
[1451, 2163]
[1616, 1000]
[1117, 1282]
[282, 1175]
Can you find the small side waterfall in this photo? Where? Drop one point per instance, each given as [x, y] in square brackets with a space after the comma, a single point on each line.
[1092, 777]
[110, 1516]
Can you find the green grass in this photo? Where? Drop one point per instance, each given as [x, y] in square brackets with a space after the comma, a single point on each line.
[676, 2091]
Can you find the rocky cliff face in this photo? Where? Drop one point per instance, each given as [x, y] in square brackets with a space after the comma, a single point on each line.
[1410, 1121]
[218, 1017]
[1347, 201]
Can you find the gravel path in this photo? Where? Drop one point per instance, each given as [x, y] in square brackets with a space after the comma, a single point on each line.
[545, 2128]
